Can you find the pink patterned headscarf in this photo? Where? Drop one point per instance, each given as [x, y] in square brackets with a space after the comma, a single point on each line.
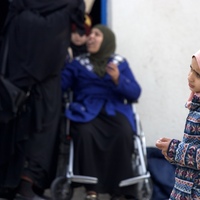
[197, 56]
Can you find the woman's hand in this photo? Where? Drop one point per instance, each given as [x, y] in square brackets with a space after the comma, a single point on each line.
[113, 71]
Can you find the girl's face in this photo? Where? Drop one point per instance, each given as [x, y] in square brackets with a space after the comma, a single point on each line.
[94, 40]
[194, 76]
[77, 39]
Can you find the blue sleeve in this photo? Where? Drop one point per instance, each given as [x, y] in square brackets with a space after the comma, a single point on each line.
[128, 85]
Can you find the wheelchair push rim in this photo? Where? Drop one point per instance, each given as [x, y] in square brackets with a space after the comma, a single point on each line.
[61, 189]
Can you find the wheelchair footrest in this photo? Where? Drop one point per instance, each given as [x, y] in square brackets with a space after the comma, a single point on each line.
[83, 179]
[134, 180]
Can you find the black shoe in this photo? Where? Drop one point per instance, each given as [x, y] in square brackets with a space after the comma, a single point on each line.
[35, 197]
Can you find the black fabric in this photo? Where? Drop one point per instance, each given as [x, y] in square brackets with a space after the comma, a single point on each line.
[78, 50]
[162, 174]
[12, 99]
[103, 149]
[32, 138]
[38, 40]
[75, 9]
[3, 14]
[44, 27]
[39, 35]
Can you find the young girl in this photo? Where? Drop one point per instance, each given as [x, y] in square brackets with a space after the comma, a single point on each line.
[186, 153]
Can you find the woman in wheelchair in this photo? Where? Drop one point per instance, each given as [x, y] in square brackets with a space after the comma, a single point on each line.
[101, 116]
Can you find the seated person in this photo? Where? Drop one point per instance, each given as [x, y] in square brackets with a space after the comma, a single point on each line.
[101, 115]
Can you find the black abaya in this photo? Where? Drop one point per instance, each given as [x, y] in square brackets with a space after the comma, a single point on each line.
[103, 149]
[39, 35]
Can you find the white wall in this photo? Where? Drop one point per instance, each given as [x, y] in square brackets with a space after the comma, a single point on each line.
[158, 38]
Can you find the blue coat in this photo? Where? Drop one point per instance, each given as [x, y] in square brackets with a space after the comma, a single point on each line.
[92, 92]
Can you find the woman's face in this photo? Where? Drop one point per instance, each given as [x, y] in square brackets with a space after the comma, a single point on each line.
[194, 76]
[94, 40]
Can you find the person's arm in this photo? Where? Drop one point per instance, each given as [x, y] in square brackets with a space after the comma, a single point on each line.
[184, 154]
[113, 71]
[180, 153]
[126, 84]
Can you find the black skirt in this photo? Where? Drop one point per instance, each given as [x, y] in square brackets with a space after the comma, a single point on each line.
[103, 149]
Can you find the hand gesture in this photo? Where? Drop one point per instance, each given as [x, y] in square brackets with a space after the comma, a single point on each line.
[163, 144]
[113, 71]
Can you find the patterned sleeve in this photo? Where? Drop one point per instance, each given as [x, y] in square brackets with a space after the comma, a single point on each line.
[184, 154]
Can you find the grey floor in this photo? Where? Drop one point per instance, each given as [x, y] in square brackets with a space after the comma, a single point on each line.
[79, 194]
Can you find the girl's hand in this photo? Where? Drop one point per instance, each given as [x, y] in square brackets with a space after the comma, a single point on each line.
[163, 144]
[113, 71]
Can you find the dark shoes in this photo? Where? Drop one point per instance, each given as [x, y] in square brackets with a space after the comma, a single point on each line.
[36, 197]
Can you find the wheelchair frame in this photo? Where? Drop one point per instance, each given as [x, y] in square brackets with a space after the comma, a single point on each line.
[61, 187]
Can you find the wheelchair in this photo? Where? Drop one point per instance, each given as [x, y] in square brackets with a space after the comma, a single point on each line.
[61, 187]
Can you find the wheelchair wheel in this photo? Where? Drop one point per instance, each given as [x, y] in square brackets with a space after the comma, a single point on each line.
[145, 189]
[61, 189]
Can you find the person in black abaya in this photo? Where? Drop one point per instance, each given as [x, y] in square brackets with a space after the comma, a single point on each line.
[39, 34]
